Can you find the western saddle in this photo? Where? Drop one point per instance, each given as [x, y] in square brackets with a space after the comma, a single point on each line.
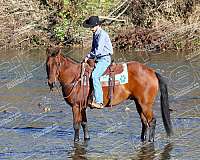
[112, 70]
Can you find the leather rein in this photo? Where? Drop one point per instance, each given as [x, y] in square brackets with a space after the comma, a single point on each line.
[73, 84]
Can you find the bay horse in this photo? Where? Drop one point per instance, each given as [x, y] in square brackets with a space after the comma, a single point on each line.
[142, 87]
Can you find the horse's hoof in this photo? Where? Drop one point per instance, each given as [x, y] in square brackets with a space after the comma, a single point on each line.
[86, 138]
[76, 140]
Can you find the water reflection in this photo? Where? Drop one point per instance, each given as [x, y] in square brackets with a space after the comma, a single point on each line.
[150, 152]
[80, 151]
[146, 152]
[165, 154]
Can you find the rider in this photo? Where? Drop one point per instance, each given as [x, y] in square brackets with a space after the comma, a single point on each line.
[101, 51]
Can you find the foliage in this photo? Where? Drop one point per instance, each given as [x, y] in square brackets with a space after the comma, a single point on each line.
[143, 13]
[163, 24]
[159, 22]
[68, 28]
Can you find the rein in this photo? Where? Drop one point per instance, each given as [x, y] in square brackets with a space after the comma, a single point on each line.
[73, 87]
[81, 79]
[70, 91]
[59, 64]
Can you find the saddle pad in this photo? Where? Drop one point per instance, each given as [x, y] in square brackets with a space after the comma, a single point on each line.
[121, 78]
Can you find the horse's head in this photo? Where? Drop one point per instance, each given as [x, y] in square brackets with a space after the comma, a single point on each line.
[53, 64]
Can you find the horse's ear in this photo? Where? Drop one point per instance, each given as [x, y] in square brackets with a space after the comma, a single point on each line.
[53, 51]
[59, 51]
[48, 51]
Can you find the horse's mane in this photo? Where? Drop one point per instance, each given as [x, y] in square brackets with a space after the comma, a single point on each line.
[53, 51]
[71, 59]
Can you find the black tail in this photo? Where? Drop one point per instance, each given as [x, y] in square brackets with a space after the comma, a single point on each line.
[164, 105]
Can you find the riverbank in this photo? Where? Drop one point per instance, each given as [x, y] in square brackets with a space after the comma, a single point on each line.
[153, 26]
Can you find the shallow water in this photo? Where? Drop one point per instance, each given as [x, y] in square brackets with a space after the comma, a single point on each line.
[29, 133]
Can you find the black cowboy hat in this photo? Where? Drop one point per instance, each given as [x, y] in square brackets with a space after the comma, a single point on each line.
[91, 22]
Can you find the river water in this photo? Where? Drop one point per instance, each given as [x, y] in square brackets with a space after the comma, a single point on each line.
[29, 132]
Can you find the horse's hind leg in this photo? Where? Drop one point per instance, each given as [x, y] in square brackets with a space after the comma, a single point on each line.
[152, 127]
[84, 124]
[148, 121]
[143, 121]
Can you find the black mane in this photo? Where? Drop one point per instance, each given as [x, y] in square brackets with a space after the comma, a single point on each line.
[71, 59]
[53, 51]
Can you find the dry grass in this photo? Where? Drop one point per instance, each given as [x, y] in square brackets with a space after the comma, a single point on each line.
[154, 24]
[21, 22]
[166, 24]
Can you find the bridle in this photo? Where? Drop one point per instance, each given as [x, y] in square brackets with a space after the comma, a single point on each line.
[73, 84]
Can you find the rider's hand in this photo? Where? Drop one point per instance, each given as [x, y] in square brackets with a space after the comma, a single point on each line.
[86, 59]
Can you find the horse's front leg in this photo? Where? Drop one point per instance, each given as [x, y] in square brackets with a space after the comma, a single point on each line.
[84, 125]
[144, 132]
[76, 121]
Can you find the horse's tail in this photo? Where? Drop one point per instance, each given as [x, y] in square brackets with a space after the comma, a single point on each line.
[164, 105]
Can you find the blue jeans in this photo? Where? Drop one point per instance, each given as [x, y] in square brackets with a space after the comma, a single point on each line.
[101, 66]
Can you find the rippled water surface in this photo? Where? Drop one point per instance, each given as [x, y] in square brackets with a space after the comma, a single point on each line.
[27, 132]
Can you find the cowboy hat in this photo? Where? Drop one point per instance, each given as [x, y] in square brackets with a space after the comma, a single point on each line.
[91, 22]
